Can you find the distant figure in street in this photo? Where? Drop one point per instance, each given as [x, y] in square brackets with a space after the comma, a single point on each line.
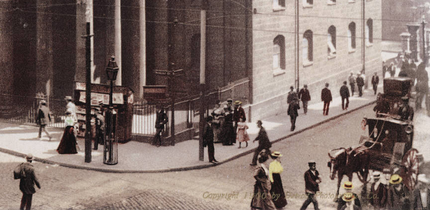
[242, 134]
[68, 141]
[348, 189]
[382, 106]
[422, 87]
[228, 134]
[398, 194]
[422, 194]
[360, 84]
[384, 69]
[71, 106]
[305, 96]
[43, 115]
[406, 112]
[208, 140]
[403, 72]
[326, 98]
[263, 142]
[275, 170]
[218, 120]
[26, 184]
[312, 180]
[292, 95]
[100, 127]
[238, 113]
[392, 69]
[262, 198]
[159, 126]
[351, 80]
[347, 198]
[344, 94]
[375, 82]
[292, 111]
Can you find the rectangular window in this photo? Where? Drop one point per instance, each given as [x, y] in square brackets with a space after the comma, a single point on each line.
[278, 5]
[276, 56]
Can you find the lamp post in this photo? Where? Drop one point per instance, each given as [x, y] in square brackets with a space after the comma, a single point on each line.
[110, 153]
[423, 24]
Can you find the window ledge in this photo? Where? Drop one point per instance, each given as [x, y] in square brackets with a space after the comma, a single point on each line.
[352, 51]
[278, 8]
[351, 2]
[333, 56]
[277, 72]
[330, 3]
[369, 44]
[307, 6]
[307, 63]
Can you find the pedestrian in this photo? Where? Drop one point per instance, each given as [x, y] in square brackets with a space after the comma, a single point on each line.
[326, 98]
[262, 199]
[228, 135]
[68, 141]
[43, 115]
[292, 111]
[291, 95]
[378, 193]
[100, 127]
[351, 80]
[348, 189]
[348, 198]
[305, 96]
[208, 139]
[277, 191]
[312, 180]
[375, 82]
[398, 194]
[344, 94]
[242, 134]
[263, 142]
[71, 106]
[384, 69]
[238, 113]
[360, 84]
[405, 112]
[392, 69]
[161, 120]
[218, 119]
[403, 72]
[422, 194]
[27, 181]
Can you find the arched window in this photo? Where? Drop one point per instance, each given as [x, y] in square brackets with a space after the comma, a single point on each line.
[307, 47]
[308, 2]
[278, 4]
[351, 36]
[279, 52]
[369, 31]
[331, 41]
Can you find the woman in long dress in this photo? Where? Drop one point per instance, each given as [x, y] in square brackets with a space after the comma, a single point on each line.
[262, 199]
[242, 134]
[68, 141]
[218, 118]
[227, 133]
[277, 191]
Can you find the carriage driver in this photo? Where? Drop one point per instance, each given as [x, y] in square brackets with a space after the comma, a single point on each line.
[406, 112]
[348, 189]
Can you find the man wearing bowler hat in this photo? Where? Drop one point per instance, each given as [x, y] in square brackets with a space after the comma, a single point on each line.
[312, 180]
[27, 181]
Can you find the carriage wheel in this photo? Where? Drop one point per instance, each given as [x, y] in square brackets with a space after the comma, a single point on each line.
[410, 169]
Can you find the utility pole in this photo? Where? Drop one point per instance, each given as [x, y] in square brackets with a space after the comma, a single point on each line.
[423, 23]
[204, 6]
[88, 94]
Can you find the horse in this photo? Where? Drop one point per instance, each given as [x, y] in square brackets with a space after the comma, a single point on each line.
[346, 162]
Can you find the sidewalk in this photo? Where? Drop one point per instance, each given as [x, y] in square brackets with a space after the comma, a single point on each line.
[137, 157]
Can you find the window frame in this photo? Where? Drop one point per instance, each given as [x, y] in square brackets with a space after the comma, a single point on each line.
[308, 36]
[278, 5]
[281, 63]
[352, 37]
[369, 31]
[331, 42]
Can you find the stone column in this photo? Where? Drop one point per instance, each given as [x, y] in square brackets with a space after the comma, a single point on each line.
[6, 52]
[44, 52]
[118, 46]
[405, 42]
[413, 30]
[142, 45]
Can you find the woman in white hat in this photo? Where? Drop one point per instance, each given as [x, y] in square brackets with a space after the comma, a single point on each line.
[68, 141]
[277, 191]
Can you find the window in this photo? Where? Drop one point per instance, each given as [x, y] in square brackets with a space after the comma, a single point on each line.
[331, 41]
[279, 52]
[307, 47]
[331, 2]
[278, 5]
[369, 31]
[351, 37]
[308, 2]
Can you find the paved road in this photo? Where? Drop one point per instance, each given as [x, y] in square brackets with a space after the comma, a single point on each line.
[226, 186]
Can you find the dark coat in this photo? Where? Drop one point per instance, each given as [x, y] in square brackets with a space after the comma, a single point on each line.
[311, 182]
[291, 96]
[263, 139]
[406, 113]
[43, 115]
[344, 91]
[26, 184]
[375, 79]
[360, 81]
[292, 109]
[341, 203]
[208, 135]
[378, 197]
[161, 120]
[344, 207]
[262, 199]
[418, 204]
[304, 95]
[326, 95]
[398, 200]
[239, 113]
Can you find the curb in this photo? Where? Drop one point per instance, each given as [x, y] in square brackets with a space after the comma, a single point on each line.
[181, 168]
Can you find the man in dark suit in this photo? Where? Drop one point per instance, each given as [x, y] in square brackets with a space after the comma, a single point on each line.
[422, 194]
[43, 115]
[159, 126]
[360, 84]
[326, 98]
[351, 80]
[312, 181]
[344, 94]
[26, 184]
[305, 96]
[208, 139]
[375, 82]
[378, 193]
[292, 111]
[292, 95]
[263, 143]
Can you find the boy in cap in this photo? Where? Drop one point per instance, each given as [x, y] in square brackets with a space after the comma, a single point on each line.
[348, 189]
[422, 194]
[312, 180]
[27, 181]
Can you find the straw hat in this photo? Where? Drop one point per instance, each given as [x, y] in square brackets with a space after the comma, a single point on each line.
[347, 185]
[29, 157]
[276, 154]
[237, 103]
[43, 102]
[348, 197]
[395, 179]
[311, 162]
[376, 174]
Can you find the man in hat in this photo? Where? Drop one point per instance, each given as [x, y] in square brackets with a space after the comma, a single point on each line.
[230, 104]
[344, 94]
[398, 194]
[263, 142]
[27, 181]
[43, 115]
[159, 126]
[351, 80]
[392, 69]
[378, 193]
[238, 114]
[348, 189]
[375, 82]
[406, 112]
[100, 121]
[291, 95]
[305, 96]
[348, 198]
[71, 106]
[312, 180]
[360, 84]
[422, 194]
[326, 98]
[292, 111]
[208, 139]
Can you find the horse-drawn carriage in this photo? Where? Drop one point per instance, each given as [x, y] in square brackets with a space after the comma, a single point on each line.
[388, 145]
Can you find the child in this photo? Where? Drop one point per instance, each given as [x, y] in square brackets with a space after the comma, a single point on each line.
[242, 135]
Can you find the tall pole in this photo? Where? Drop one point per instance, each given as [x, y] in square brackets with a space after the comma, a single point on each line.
[297, 40]
[363, 44]
[88, 96]
[202, 76]
[424, 41]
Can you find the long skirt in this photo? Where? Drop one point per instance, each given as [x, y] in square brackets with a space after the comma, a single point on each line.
[262, 199]
[228, 135]
[277, 191]
[68, 142]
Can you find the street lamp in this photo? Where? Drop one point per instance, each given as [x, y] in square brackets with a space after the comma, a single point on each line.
[110, 153]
